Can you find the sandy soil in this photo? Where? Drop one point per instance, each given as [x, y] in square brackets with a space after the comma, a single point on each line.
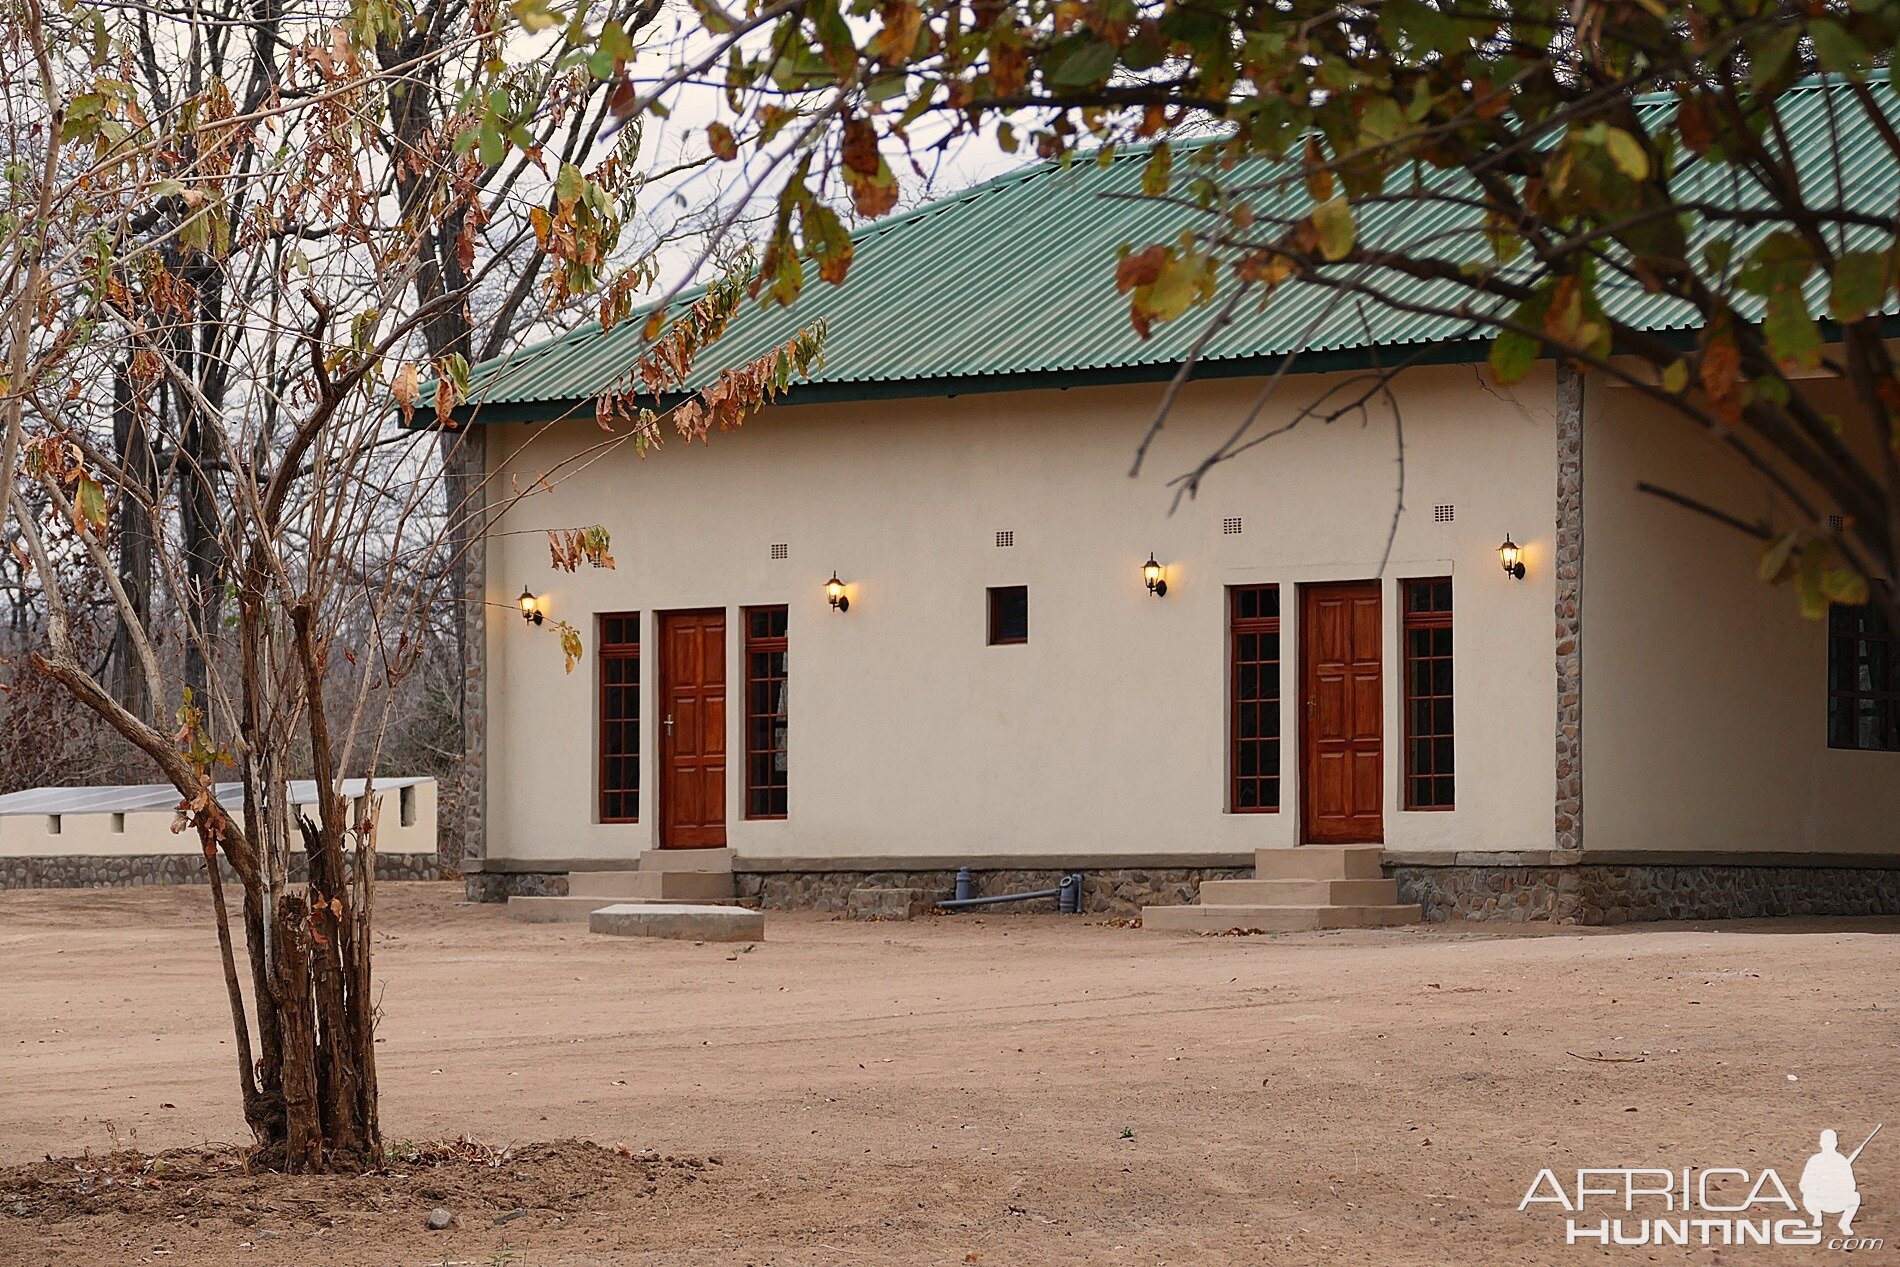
[999, 1090]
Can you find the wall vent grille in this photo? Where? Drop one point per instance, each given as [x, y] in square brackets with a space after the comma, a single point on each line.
[780, 550]
[1005, 539]
[1230, 526]
[1443, 514]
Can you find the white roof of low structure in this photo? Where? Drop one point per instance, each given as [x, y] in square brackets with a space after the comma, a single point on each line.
[133, 798]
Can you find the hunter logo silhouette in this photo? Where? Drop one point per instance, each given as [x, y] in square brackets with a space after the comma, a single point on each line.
[1827, 1182]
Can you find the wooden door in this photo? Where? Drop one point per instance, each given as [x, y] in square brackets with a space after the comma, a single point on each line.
[692, 729]
[1342, 754]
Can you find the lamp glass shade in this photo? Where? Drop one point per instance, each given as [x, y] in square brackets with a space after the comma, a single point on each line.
[527, 603]
[834, 589]
[1511, 555]
[1151, 571]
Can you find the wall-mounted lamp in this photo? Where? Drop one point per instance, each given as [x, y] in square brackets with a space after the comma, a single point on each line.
[1155, 577]
[1511, 555]
[532, 609]
[834, 591]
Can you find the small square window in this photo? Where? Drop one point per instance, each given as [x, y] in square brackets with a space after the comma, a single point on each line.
[1009, 615]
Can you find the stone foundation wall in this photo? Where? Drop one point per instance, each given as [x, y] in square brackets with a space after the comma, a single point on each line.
[1576, 893]
[499, 886]
[1618, 893]
[107, 871]
[1121, 891]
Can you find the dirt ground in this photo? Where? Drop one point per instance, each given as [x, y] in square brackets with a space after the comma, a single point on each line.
[992, 1090]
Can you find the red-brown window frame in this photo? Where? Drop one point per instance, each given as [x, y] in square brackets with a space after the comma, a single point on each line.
[1237, 627]
[1854, 633]
[762, 646]
[1426, 620]
[611, 654]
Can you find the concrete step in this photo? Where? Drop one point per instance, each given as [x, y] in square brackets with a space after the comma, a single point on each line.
[1273, 919]
[1319, 862]
[659, 886]
[576, 909]
[554, 910]
[679, 921]
[686, 860]
[1299, 892]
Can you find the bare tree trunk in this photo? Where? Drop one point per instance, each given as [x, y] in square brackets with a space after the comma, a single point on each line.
[134, 447]
[303, 1117]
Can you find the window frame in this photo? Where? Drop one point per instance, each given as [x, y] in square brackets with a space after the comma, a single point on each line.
[1870, 629]
[617, 653]
[1409, 621]
[1237, 627]
[776, 644]
[990, 595]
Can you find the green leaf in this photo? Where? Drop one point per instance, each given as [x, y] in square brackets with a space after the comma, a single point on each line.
[89, 504]
[1383, 121]
[1788, 327]
[1089, 64]
[1775, 555]
[1858, 286]
[534, 15]
[1627, 153]
[1332, 220]
[1512, 355]
[616, 43]
[1840, 584]
[1838, 51]
[1782, 261]
[1155, 173]
[1177, 288]
[1772, 61]
[1810, 578]
[1675, 377]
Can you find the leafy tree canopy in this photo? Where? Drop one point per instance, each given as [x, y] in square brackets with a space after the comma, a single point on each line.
[1732, 159]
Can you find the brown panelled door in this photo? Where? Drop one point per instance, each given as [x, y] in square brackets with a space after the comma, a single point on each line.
[692, 729]
[1342, 763]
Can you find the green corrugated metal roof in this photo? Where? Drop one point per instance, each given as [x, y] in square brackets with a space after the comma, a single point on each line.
[1010, 284]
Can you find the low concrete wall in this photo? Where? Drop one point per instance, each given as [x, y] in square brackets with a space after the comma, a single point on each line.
[105, 837]
[141, 826]
[111, 871]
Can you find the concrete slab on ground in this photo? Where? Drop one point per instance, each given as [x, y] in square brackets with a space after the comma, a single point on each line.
[679, 921]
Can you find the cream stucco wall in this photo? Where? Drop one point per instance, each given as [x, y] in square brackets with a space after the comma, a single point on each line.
[1705, 691]
[1106, 733]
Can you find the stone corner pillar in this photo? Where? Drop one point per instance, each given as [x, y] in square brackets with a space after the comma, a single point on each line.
[1569, 610]
[465, 456]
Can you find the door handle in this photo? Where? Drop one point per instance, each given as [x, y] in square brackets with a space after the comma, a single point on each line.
[669, 725]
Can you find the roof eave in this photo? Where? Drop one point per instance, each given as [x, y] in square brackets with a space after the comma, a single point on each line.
[943, 387]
